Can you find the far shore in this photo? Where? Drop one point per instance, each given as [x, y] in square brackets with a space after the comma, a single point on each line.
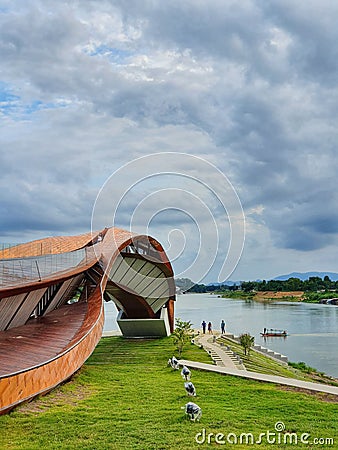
[278, 296]
[271, 295]
[263, 296]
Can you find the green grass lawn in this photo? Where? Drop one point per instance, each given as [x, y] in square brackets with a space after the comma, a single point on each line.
[258, 362]
[125, 397]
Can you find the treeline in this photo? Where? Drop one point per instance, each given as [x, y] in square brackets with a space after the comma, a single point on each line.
[186, 285]
[312, 284]
[202, 288]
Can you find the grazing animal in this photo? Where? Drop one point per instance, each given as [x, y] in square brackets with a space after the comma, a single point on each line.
[193, 411]
[185, 373]
[173, 363]
[190, 388]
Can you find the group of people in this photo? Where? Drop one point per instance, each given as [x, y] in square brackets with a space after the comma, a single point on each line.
[204, 326]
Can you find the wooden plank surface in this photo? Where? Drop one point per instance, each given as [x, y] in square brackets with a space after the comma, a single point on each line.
[51, 245]
[40, 339]
[73, 329]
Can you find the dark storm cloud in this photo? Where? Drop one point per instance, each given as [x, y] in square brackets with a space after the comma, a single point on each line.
[251, 85]
[314, 35]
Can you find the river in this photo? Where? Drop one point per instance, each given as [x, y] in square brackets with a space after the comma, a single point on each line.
[312, 328]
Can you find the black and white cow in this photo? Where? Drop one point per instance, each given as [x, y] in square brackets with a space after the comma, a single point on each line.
[173, 363]
[185, 373]
[193, 411]
[190, 388]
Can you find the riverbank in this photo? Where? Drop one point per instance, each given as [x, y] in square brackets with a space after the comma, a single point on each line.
[312, 328]
[126, 397]
[287, 296]
[261, 296]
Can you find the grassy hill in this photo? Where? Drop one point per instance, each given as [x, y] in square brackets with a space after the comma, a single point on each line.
[258, 362]
[125, 397]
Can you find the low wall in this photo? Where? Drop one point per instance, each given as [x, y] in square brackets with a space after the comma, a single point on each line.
[265, 351]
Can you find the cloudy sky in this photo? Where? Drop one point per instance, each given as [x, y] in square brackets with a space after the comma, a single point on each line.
[248, 87]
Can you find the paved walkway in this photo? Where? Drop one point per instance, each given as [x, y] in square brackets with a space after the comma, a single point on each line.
[227, 365]
[221, 355]
[262, 377]
[111, 333]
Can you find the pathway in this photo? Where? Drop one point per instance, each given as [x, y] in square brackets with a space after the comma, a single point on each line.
[228, 365]
[220, 354]
[262, 377]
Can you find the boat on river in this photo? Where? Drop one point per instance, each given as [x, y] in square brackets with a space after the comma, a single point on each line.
[271, 332]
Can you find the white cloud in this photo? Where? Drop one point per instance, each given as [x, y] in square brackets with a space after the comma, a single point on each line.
[88, 86]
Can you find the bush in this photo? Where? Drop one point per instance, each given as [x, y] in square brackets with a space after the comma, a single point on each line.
[182, 334]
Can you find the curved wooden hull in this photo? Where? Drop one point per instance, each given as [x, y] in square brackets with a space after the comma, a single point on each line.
[26, 384]
[51, 303]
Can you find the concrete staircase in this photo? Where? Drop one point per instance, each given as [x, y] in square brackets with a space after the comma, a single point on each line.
[221, 355]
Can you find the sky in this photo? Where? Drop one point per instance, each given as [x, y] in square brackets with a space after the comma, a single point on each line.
[210, 124]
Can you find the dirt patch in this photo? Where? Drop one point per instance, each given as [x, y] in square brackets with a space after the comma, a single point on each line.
[322, 396]
[60, 396]
[271, 295]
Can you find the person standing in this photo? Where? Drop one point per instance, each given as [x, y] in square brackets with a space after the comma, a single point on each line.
[222, 327]
[204, 324]
[210, 328]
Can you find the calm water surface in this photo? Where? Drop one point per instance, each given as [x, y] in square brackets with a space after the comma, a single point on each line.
[313, 328]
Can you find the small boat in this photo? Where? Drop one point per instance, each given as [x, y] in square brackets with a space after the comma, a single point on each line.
[272, 333]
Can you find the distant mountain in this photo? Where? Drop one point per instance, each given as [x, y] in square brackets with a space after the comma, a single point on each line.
[186, 283]
[306, 275]
[225, 283]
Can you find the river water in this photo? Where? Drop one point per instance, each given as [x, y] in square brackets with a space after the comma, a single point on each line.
[312, 328]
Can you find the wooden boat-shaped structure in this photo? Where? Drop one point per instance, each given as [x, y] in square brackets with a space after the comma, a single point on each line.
[51, 304]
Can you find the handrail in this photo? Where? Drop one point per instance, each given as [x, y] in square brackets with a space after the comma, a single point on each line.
[16, 271]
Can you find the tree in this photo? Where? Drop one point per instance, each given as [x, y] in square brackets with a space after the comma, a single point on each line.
[327, 282]
[182, 334]
[246, 341]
